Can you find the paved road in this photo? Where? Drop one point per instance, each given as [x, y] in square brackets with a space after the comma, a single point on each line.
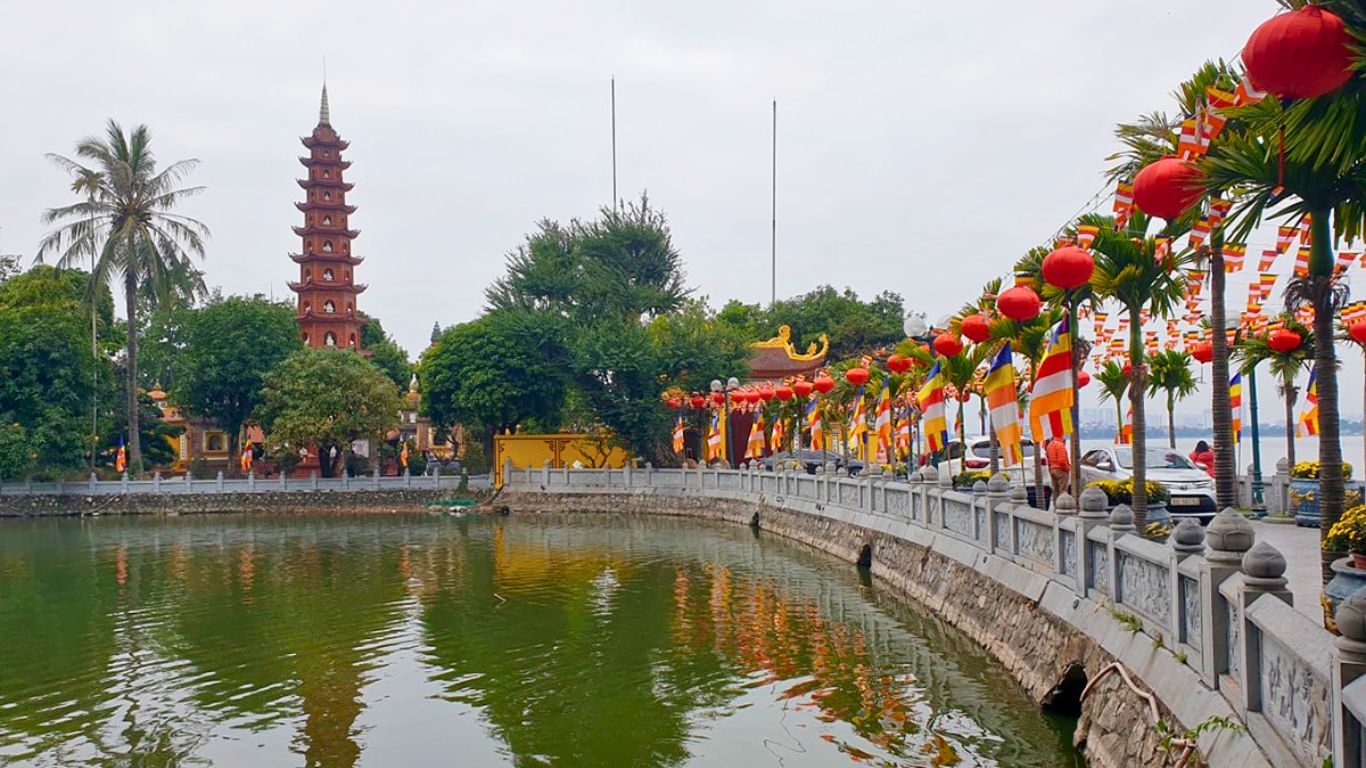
[1301, 549]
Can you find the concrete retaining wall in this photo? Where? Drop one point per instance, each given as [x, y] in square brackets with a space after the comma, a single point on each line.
[204, 503]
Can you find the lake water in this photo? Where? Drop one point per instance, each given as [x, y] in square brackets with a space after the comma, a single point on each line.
[343, 641]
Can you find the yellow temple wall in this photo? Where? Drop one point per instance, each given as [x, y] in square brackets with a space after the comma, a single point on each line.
[561, 449]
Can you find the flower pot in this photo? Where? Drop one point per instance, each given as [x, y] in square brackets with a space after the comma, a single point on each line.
[1359, 561]
[1346, 580]
[1304, 499]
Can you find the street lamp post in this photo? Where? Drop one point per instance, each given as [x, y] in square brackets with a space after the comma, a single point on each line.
[917, 330]
[731, 384]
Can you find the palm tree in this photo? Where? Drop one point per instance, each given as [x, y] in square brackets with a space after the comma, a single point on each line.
[1114, 383]
[1253, 349]
[1169, 371]
[1128, 273]
[1309, 176]
[126, 218]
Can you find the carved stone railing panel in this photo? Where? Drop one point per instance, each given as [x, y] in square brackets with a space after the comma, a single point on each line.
[1067, 540]
[1100, 568]
[1191, 624]
[1296, 701]
[959, 517]
[806, 487]
[1146, 587]
[898, 502]
[849, 495]
[1034, 541]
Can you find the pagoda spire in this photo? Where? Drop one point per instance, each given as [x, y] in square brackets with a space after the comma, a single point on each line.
[324, 114]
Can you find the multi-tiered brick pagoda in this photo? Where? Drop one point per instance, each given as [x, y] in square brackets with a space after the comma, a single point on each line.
[327, 291]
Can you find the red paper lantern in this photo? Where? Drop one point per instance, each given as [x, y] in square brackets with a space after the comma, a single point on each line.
[803, 388]
[718, 397]
[1068, 267]
[947, 344]
[976, 327]
[1083, 378]
[674, 403]
[752, 396]
[856, 376]
[1128, 369]
[898, 364]
[1358, 331]
[1167, 188]
[1284, 340]
[783, 392]
[1202, 351]
[1019, 303]
[824, 383]
[765, 393]
[698, 401]
[1301, 54]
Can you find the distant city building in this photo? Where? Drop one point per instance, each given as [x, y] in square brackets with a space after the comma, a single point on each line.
[326, 288]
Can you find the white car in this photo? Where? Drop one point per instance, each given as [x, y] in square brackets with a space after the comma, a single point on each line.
[1191, 488]
[979, 457]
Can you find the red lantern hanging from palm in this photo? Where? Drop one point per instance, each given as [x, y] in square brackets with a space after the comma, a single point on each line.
[1068, 267]
[698, 400]
[783, 392]
[1202, 351]
[947, 344]
[1167, 188]
[1284, 340]
[1020, 303]
[898, 364]
[803, 388]
[858, 376]
[1083, 378]
[976, 327]
[824, 383]
[1301, 54]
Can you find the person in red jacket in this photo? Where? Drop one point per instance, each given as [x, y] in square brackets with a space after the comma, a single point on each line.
[1059, 465]
[1203, 455]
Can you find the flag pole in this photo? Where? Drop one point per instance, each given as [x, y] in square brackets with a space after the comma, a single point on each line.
[773, 220]
[614, 143]
[1075, 452]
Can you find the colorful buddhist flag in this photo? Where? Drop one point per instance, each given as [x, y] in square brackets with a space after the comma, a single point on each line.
[931, 396]
[714, 451]
[1309, 419]
[678, 434]
[1086, 234]
[247, 457]
[903, 436]
[1233, 256]
[403, 455]
[1050, 403]
[1302, 261]
[777, 435]
[858, 424]
[1284, 235]
[1266, 282]
[754, 449]
[1004, 405]
[1199, 231]
[882, 421]
[1235, 403]
[1218, 210]
[1345, 259]
[1247, 93]
[814, 425]
[1306, 229]
[1268, 258]
[1124, 204]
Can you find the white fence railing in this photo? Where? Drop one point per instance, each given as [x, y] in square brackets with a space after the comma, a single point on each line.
[250, 484]
[1218, 601]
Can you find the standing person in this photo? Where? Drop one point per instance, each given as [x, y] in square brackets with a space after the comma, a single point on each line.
[1059, 465]
[1203, 455]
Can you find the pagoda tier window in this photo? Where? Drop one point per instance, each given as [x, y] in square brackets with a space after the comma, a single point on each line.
[354, 343]
[329, 307]
[330, 339]
[327, 246]
[327, 221]
[328, 276]
[305, 337]
[327, 195]
[327, 174]
[350, 310]
[307, 307]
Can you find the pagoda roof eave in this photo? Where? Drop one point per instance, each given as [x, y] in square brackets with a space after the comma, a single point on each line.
[777, 359]
[311, 142]
[325, 206]
[305, 231]
[309, 162]
[301, 258]
[319, 285]
[344, 186]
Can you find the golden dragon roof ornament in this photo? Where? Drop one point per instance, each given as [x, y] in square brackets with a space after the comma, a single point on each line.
[783, 341]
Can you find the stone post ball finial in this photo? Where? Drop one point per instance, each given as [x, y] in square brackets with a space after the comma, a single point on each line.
[1018, 495]
[1264, 561]
[820, 469]
[945, 479]
[998, 483]
[1188, 536]
[1351, 616]
[1230, 532]
[1122, 517]
[929, 473]
[1093, 500]
[1064, 504]
[979, 487]
[1282, 464]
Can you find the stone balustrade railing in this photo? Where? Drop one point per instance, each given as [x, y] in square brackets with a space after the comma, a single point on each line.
[250, 484]
[1214, 597]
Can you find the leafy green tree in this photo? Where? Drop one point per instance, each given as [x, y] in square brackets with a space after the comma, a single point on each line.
[327, 398]
[1169, 372]
[693, 348]
[154, 435]
[386, 353]
[228, 348]
[503, 370]
[126, 218]
[47, 372]
[1128, 273]
[1254, 349]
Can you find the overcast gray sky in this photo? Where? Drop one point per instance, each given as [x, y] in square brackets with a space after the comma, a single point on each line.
[922, 147]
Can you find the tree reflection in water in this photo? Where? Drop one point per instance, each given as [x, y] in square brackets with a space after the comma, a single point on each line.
[347, 640]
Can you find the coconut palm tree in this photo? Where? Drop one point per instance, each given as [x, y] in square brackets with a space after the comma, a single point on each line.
[1114, 383]
[1253, 349]
[1169, 371]
[1305, 178]
[127, 219]
[1129, 274]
